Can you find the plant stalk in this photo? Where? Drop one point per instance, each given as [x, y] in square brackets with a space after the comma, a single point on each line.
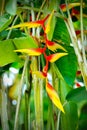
[4, 113]
[10, 31]
[81, 61]
[26, 109]
[20, 94]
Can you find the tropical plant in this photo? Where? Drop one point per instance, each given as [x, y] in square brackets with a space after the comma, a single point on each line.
[43, 68]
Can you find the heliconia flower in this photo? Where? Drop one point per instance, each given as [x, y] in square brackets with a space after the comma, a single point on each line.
[54, 46]
[26, 24]
[40, 74]
[31, 24]
[76, 13]
[48, 25]
[71, 5]
[78, 73]
[78, 32]
[56, 56]
[54, 96]
[31, 52]
[78, 85]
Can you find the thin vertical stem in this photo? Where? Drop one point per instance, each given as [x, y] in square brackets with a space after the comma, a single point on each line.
[4, 114]
[27, 98]
[9, 33]
[20, 94]
[2, 7]
[26, 109]
[58, 121]
[80, 59]
[82, 35]
[33, 19]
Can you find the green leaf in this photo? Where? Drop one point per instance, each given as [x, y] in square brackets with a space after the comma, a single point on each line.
[77, 95]
[7, 54]
[61, 32]
[11, 7]
[25, 42]
[67, 66]
[64, 89]
[69, 120]
[5, 20]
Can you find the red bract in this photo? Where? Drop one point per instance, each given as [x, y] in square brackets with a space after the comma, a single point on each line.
[53, 46]
[71, 5]
[74, 12]
[78, 85]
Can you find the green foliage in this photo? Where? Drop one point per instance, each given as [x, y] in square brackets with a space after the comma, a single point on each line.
[25, 42]
[77, 95]
[5, 21]
[69, 121]
[7, 54]
[11, 7]
[62, 72]
[61, 33]
[68, 66]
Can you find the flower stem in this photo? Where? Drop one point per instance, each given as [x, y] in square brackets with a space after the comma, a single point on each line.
[10, 31]
[20, 94]
[4, 113]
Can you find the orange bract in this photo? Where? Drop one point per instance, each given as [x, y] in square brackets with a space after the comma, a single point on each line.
[54, 96]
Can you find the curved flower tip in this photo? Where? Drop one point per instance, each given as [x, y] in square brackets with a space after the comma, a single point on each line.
[31, 52]
[48, 25]
[31, 24]
[56, 56]
[40, 74]
[27, 24]
[54, 96]
[71, 5]
[54, 46]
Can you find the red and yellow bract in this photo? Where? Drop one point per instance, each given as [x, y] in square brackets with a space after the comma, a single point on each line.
[54, 96]
[53, 46]
[70, 6]
[56, 56]
[32, 52]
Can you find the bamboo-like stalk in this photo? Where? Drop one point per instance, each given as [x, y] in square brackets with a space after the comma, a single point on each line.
[38, 87]
[4, 114]
[27, 98]
[2, 7]
[10, 31]
[80, 58]
[26, 110]
[38, 97]
[38, 105]
[20, 94]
